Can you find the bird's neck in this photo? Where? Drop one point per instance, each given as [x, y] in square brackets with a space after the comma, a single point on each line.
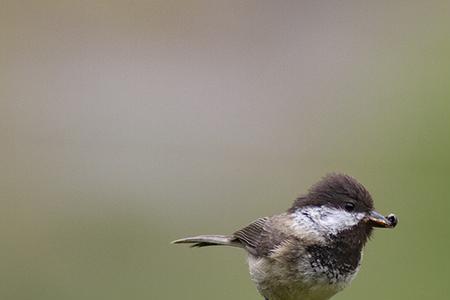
[341, 253]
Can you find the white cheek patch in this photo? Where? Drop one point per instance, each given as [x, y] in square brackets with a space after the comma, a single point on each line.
[326, 219]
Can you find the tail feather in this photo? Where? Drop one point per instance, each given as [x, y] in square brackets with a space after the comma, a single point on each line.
[208, 240]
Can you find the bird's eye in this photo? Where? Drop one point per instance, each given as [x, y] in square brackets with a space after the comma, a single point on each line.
[349, 206]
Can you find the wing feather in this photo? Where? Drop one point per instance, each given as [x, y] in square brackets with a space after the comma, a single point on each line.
[264, 235]
[250, 236]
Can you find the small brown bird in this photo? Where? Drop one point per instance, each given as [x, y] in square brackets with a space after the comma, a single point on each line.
[313, 250]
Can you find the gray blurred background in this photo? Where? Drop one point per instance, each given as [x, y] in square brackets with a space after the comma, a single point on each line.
[127, 124]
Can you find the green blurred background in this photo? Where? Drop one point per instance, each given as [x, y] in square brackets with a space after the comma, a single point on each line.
[127, 124]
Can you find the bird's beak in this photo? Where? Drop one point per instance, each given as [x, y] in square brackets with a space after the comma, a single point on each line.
[377, 220]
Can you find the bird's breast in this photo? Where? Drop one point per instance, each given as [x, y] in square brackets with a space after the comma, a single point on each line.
[301, 273]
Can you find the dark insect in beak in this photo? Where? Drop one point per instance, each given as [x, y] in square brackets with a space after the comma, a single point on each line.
[377, 220]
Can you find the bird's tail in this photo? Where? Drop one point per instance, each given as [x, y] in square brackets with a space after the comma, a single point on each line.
[208, 240]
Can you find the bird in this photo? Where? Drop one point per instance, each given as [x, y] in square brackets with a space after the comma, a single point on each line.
[314, 249]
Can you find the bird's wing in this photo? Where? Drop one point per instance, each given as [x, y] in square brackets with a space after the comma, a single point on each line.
[260, 237]
[250, 236]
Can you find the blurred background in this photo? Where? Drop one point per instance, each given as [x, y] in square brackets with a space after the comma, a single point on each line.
[127, 124]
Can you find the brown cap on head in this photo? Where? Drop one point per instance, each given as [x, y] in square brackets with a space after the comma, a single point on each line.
[336, 190]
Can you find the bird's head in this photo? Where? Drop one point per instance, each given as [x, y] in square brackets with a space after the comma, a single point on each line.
[339, 203]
